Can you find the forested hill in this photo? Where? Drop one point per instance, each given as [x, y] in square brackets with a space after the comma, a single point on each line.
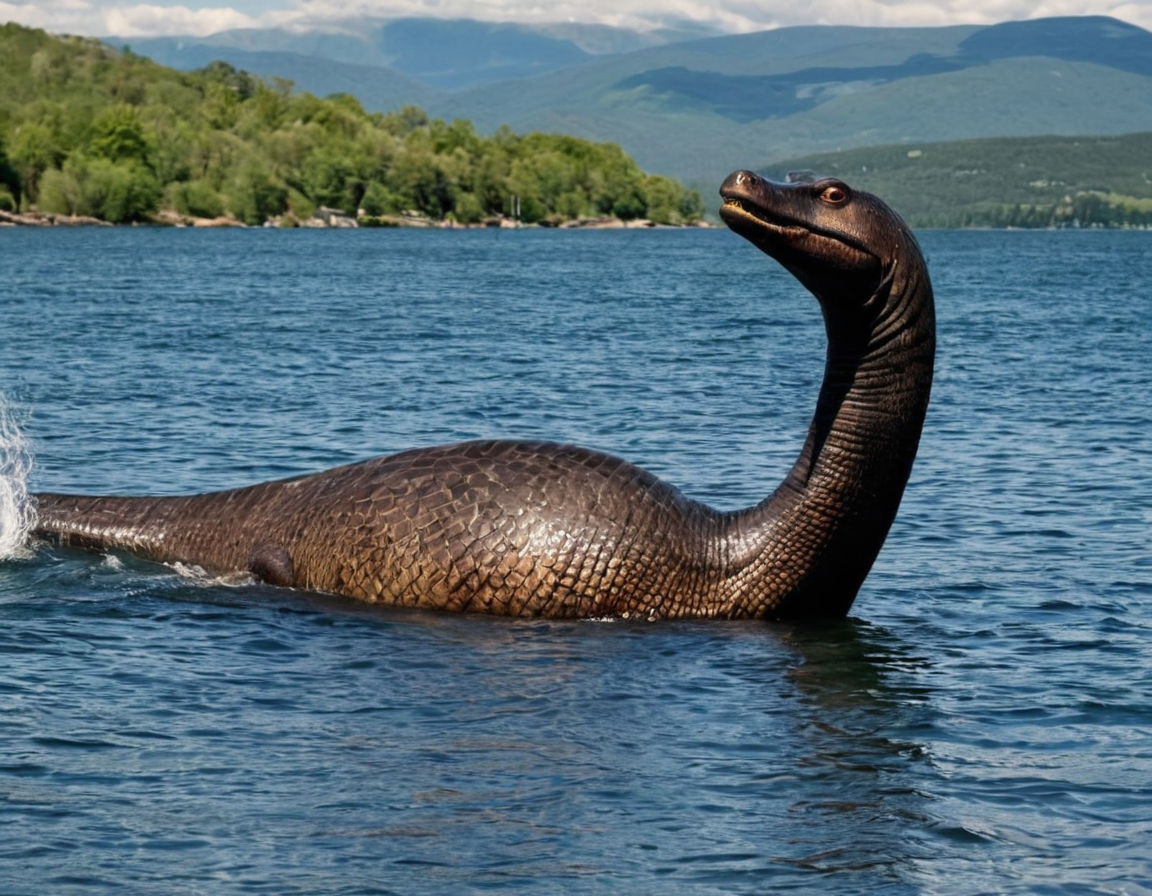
[1001, 182]
[90, 130]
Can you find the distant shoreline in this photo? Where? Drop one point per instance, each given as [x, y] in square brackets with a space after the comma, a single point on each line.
[330, 219]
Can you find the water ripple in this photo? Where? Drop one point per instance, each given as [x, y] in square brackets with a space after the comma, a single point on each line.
[982, 725]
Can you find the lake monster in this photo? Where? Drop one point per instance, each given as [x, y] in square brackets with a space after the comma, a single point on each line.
[542, 529]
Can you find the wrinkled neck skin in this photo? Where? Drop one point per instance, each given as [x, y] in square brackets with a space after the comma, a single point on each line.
[806, 549]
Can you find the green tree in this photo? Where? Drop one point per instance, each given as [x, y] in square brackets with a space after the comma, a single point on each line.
[329, 177]
[197, 198]
[118, 135]
[629, 203]
[468, 209]
[420, 182]
[254, 195]
[408, 119]
[114, 191]
[34, 151]
[9, 183]
[379, 201]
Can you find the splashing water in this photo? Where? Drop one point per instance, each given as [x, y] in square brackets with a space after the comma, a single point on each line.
[17, 509]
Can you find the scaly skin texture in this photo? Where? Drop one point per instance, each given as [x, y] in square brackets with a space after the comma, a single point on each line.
[540, 529]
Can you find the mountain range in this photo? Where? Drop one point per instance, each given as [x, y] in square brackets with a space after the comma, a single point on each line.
[698, 106]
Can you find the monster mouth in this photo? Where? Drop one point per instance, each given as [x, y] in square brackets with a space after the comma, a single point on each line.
[736, 210]
[751, 219]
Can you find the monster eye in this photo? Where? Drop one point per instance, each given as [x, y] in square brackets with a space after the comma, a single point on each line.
[834, 195]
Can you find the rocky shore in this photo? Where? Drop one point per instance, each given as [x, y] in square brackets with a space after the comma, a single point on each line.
[46, 219]
[329, 218]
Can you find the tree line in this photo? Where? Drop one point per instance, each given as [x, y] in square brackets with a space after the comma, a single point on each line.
[87, 129]
[1085, 209]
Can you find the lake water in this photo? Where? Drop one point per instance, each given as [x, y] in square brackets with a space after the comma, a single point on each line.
[981, 724]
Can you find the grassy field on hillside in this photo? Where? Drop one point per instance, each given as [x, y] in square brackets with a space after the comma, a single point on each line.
[1001, 182]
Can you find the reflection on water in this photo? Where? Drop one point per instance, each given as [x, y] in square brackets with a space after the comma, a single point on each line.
[866, 803]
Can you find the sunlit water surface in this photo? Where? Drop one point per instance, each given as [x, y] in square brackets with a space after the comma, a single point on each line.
[982, 723]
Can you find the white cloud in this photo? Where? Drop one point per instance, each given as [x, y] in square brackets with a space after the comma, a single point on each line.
[731, 15]
[101, 17]
[133, 21]
[82, 17]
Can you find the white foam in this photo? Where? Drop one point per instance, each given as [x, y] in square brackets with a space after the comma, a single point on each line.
[201, 576]
[17, 508]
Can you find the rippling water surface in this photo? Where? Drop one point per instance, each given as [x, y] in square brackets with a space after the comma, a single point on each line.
[982, 723]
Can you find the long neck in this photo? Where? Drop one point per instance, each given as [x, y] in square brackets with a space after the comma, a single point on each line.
[806, 549]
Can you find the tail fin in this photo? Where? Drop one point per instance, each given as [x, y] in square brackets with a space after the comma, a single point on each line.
[17, 508]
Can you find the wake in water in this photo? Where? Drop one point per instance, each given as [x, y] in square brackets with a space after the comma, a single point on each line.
[17, 509]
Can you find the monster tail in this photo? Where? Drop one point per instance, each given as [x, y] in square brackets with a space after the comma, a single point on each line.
[88, 522]
[98, 522]
[17, 507]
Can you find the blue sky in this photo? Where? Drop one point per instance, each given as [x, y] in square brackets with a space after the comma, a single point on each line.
[155, 17]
